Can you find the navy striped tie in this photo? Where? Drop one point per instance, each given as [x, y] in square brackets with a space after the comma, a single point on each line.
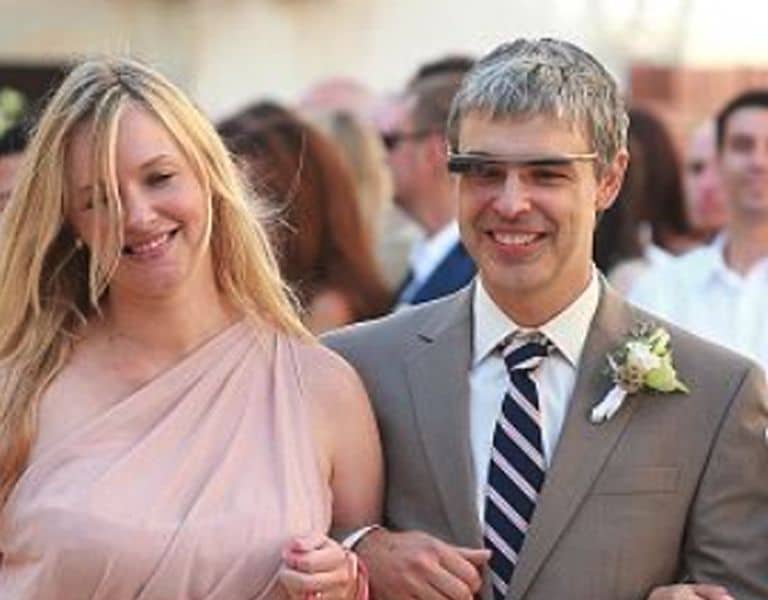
[516, 470]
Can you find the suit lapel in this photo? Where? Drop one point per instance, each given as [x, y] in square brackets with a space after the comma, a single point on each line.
[583, 447]
[438, 379]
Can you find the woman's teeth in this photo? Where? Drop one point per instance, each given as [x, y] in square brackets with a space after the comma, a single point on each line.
[148, 246]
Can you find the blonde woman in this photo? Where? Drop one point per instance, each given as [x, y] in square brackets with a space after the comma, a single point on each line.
[167, 427]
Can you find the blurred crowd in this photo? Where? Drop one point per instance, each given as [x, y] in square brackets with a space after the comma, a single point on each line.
[362, 211]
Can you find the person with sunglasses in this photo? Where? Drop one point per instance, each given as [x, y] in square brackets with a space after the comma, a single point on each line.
[416, 152]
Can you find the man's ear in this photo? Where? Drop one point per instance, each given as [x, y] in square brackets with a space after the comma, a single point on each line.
[436, 152]
[610, 180]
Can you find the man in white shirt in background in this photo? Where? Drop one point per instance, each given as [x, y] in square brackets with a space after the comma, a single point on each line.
[720, 291]
[416, 145]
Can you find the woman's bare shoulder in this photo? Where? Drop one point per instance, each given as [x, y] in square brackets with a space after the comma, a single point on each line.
[329, 380]
[321, 364]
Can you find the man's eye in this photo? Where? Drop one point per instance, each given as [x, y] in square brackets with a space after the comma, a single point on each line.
[548, 175]
[742, 144]
[482, 171]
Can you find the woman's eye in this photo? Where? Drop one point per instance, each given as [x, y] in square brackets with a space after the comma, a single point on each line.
[159, 179]
[93, 201]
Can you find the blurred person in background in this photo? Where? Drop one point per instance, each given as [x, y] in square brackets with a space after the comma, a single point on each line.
[416, 141]
[719, 291]
[618, 250]
[705, 205]
[392, 233]
[395, 232]
[661, 206]
[451, 64]
[338, 94]
[648, 222]
[13, 141]
[322, 242]
[167, 425]
[364, 153]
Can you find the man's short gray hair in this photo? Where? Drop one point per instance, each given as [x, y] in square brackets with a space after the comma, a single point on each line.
[545, 76]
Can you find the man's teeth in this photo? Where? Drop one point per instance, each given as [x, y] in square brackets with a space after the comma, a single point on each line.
[150, 245]
[519, 239]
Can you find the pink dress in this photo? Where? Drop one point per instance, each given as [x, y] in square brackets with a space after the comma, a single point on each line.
[188, 488]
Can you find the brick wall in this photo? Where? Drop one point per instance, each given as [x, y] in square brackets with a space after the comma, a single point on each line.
[685, 96]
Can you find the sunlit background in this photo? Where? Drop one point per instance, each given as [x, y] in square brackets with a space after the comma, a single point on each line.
[685, 55]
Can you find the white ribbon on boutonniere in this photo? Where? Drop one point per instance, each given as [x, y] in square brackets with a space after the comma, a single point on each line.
[642, 363]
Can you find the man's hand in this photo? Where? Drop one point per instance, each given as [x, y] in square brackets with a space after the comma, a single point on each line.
[415, 565]
[691, 591]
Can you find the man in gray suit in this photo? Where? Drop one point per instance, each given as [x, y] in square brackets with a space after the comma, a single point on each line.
[486, 399]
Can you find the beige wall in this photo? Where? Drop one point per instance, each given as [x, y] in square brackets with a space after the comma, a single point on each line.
[278, 46]
[227, 52]
[58, 30]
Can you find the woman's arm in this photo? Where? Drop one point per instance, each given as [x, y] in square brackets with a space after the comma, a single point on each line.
[357, 473]
[349, 450]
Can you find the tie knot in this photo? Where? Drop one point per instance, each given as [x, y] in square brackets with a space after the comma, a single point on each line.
[525, 356]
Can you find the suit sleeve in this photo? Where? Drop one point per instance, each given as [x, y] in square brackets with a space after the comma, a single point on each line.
[727, 534]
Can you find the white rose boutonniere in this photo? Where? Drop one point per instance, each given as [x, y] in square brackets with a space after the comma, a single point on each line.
[642, 363]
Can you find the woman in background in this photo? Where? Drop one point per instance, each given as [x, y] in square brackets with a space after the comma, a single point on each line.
[322, 242]
[660, 203]
[392, 231]
[647, 223]
[168, 429]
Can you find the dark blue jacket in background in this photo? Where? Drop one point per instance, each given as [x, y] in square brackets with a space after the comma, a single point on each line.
[454, 272]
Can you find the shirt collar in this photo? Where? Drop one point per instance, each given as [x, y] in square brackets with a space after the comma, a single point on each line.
[567, 330]
[711, 266]
[717, 267]
[656, 255]
[427, 253]
[717, 264]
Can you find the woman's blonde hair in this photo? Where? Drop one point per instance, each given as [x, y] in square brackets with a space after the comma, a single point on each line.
[50, 286]
[366, 157]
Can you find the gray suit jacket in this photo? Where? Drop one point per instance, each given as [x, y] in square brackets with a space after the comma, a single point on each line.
[673, 487]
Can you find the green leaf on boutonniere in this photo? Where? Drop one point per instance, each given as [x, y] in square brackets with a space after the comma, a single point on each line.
[642, 363]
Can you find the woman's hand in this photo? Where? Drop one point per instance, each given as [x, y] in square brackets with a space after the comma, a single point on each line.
[690, 591]
[318, 568]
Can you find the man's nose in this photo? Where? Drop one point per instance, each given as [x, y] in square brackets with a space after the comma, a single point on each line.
[513, 196]
[710, 177]
[760, 156]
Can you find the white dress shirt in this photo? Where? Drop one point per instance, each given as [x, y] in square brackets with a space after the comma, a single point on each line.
[700, 292]
[426, 256]
[555, 378]
[627, 273]
[488, 379]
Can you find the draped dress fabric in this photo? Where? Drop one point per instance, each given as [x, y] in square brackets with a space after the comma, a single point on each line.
[189, 488]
